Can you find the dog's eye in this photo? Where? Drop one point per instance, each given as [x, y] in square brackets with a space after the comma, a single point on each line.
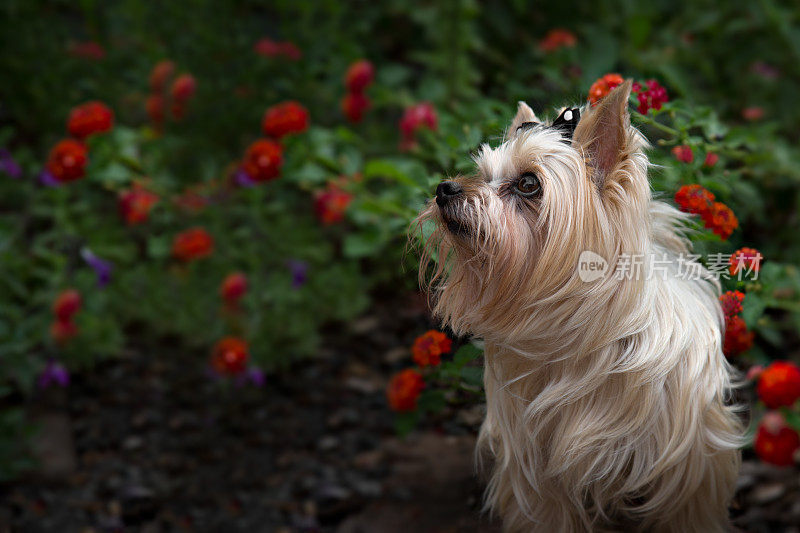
[528, 185]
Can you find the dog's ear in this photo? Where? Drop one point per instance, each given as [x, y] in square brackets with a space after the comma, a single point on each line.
[525, 117]
[603, 133]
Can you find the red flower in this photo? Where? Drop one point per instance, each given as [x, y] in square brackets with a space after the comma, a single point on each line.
[683, 153]
[183, 87]
[67, 160]
[136, 203]
[711, 160]
[263, 160]
[731, 302]
[429, 347]
[737, 338]
[155, 109]
[404, 390]
[416, 117]
[354, 105]
[66, 305]
[285, 118]
[557, 38]
[779, 384]
[233, 287]
[753, 113]
[359, 76]
[694, 199]
[160, 75]
[720, 219]
[653, 97]
[62, 331]
[192, 244]
[603, 86]
[89, 118]
[745, 259]
[229, 356]
[269, 48]
[331, 204]
[776, 445]
[87, 50]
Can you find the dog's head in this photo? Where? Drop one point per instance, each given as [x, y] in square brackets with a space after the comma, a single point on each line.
[509, 237]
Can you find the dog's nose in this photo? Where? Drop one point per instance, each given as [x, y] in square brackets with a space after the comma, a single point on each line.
[446, 191]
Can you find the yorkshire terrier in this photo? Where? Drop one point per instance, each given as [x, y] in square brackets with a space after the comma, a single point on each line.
[607, 396]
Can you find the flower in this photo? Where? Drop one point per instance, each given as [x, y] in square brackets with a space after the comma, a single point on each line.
[242, 178]
[683, 153]
[193, 199]
[779, 384]
[269, 48]
[53, 374]
[731, 302]
[603, 86]
[754, 372]
[263, 160]
[91, 117]
[429, 347]
[404, 390]
[67, 160]
[87, 50]
[285, 118]
[192, 244]
[359, 76]
[229, 356]
[557, 38]
[299, 271]
[102, 268]
[8, 165]
[694, 199]
[66, 304]
[155, 109]
[160, 75]
[765, 70]
[653, 97]
[47, 179]
[710, 160]
[748, 259]
[737, 338]
[354, 105]
[136, 203]
[233, 287]
[776, 445]
[331, 204]
[183, 87]
[254, 375]
[416, 117]
[62, 331]
[753, 113]
[720, 219]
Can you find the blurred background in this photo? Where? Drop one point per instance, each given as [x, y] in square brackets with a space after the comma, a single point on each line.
[210, 313]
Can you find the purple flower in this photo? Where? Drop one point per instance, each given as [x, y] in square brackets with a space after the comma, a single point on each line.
[299, 272]
[53, 374]
[243, 179]
[256, 376]
[8, 165]
[101, 267]
[48, 180]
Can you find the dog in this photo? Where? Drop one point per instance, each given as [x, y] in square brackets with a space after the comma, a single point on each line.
[608, 402]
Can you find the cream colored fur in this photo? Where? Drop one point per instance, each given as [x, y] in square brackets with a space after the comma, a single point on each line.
[607, 400]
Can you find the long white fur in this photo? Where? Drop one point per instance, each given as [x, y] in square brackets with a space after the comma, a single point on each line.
[606, 401]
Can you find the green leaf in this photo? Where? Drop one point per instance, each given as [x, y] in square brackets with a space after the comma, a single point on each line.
[467, 353]
[472, 375]
[753, 309]
[404, 423]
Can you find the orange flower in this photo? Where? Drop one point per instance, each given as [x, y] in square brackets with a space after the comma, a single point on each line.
[429, 347]
[710, 160]
[263, 160]
[233, 287]
[331, 204]
[683, 153]
[229, 356]
[136, 203]
[557, 38]
[779, 384]
[404, 390]
[67, 160]
[737, 338]
[745, 259]
[694, 199]
[731, 302]
[183, 87]
[354, 105]
[776, 445]
[67, 304]
[603, 86]
[285, 118]
[753, 113]
[192, 244]
[359, 76]
[160, 75]
[89, 118]
[720, 219]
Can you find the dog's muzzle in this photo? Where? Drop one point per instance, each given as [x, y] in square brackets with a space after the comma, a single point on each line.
[447, 191]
